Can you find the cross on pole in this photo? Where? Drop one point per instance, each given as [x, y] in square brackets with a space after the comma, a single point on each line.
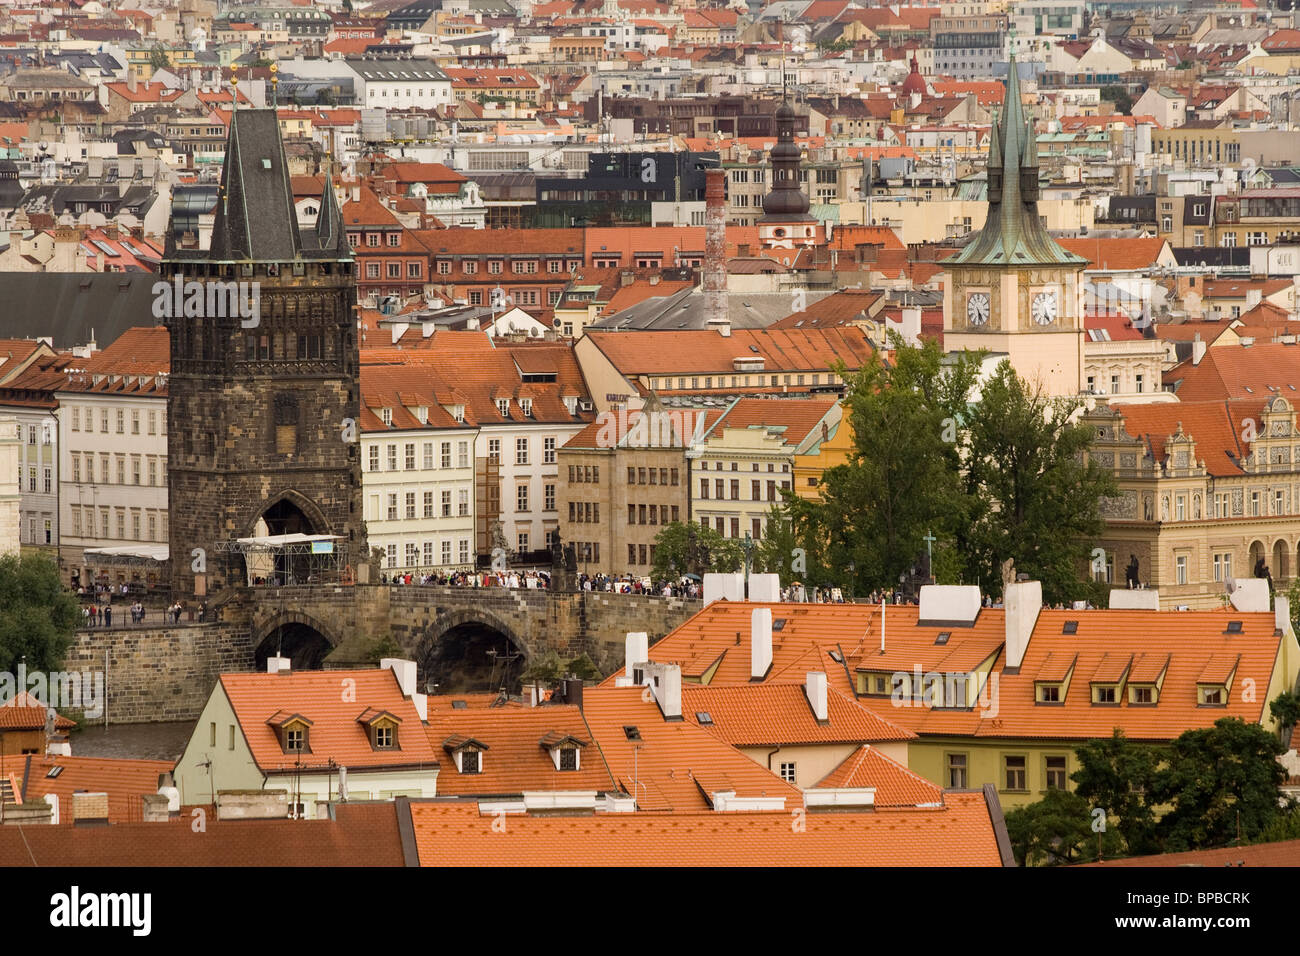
[929, 540]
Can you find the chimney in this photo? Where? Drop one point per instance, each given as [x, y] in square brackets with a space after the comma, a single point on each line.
[1198, 349]
[130, 79]
[1282, 613]
[1022, 601]
[626, 278]
[403, 670]
[154, 809]
[713, 281]
[356, 193]
[722, 324]
[277, 665]
[636, 651]
[1246, 341]
[572, 691]
[90, 809]
[760, 643]
[815, 688]
[666, 685]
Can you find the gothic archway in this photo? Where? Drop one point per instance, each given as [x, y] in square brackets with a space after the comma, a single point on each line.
[471, 650]
[288, 512]
[295, 635]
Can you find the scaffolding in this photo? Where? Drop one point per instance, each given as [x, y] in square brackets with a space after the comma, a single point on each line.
[279, 560]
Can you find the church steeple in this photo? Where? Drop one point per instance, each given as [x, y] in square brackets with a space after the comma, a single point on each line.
[1013, 234]
[787, 199]
[255, 214]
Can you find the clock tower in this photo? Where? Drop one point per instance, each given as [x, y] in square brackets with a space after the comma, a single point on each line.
[1014, 290]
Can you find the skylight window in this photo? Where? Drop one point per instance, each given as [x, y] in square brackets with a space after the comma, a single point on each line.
[1070, 627]
[53, 772]
[778, 624]
[1234, 627]
[704, 717]
[631, 732]
[459, 705]
[943, 637]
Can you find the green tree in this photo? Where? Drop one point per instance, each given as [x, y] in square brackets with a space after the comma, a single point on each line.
[158, 58]
[1285, 709]
[1117, 776]
[37, 614]
[1220, 782]
[1058, 829]
[1120, 97]
[690, 548]
[1034, 497]
[902, 479]
[381, 647]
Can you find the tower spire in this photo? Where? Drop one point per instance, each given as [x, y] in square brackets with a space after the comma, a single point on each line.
[1013, 234]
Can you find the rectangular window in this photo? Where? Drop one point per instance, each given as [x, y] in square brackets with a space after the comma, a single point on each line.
[548, 496]
[956, 770]
[788, 772]
[521, 451]
[392, 458]
[1055, 773]
[521, 498]
[76, 419]
[410, 505]
[446, 504]
[462, 454]
[392, 507]
[1180, 566]
[410, 456]
[1014, 768]
[494, 451]
[446, 454]
[548, 451]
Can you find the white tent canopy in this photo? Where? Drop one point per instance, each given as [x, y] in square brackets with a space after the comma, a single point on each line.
[146, 552]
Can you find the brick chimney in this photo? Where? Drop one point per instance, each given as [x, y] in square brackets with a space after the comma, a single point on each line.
[713, 282]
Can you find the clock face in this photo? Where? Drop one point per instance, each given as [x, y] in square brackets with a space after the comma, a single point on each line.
[977, 308]
[1044, 308]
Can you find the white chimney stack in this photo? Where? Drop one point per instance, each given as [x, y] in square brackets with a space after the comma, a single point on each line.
[637, 651]
[404, 671]
[666, 684]
[277, 665]
[1022, 601]
[815, 688]
[760, 643]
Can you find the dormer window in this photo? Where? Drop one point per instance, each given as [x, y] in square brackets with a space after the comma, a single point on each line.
[458, 413]
[526, 406]
[1048, 693]
[466, 751]
[422, 414]
[1142, 694]
[1105, 693]
[293, 732]
[571, 404]
[381, 727]
[503, 406]
[1211, 695]
[565, 749]
[386, 416]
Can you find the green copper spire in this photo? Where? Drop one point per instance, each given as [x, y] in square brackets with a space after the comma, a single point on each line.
[1013, 234]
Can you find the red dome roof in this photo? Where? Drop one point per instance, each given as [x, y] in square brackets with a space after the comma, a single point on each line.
[914, 83]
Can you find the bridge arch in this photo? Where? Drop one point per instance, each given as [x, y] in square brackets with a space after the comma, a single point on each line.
[294, 634]
[471, 649]
[288, 507]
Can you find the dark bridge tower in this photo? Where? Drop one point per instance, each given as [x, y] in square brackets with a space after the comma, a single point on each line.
[265, 383]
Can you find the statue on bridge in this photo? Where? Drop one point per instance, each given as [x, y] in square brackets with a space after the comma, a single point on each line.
[1131, 572]
[1262, 571]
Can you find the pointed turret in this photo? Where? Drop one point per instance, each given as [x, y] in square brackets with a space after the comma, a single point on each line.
[329, 234]
[1013, 233]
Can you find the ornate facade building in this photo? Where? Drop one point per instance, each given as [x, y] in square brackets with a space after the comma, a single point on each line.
[1208, 491]
[263, 433]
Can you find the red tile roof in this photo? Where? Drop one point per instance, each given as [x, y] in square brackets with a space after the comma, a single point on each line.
[704, 350]
[125, 782]
[360, 835]
[1117, 254]
[778, 714]
[1282, 853]
[132, 364]
[335, 733]
[794, 417]
[1255, 373]
[674, 765]
[959, 834]
[895, 785]
[516, 759]
[1215, 426]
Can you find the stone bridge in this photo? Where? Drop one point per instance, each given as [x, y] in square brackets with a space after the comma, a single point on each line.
[460, 637]
[463, 639]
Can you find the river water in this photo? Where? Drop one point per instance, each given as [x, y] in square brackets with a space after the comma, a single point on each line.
[138, 741]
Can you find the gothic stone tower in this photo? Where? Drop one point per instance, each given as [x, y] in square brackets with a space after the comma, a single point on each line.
[259, 409]
[1014, 290]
